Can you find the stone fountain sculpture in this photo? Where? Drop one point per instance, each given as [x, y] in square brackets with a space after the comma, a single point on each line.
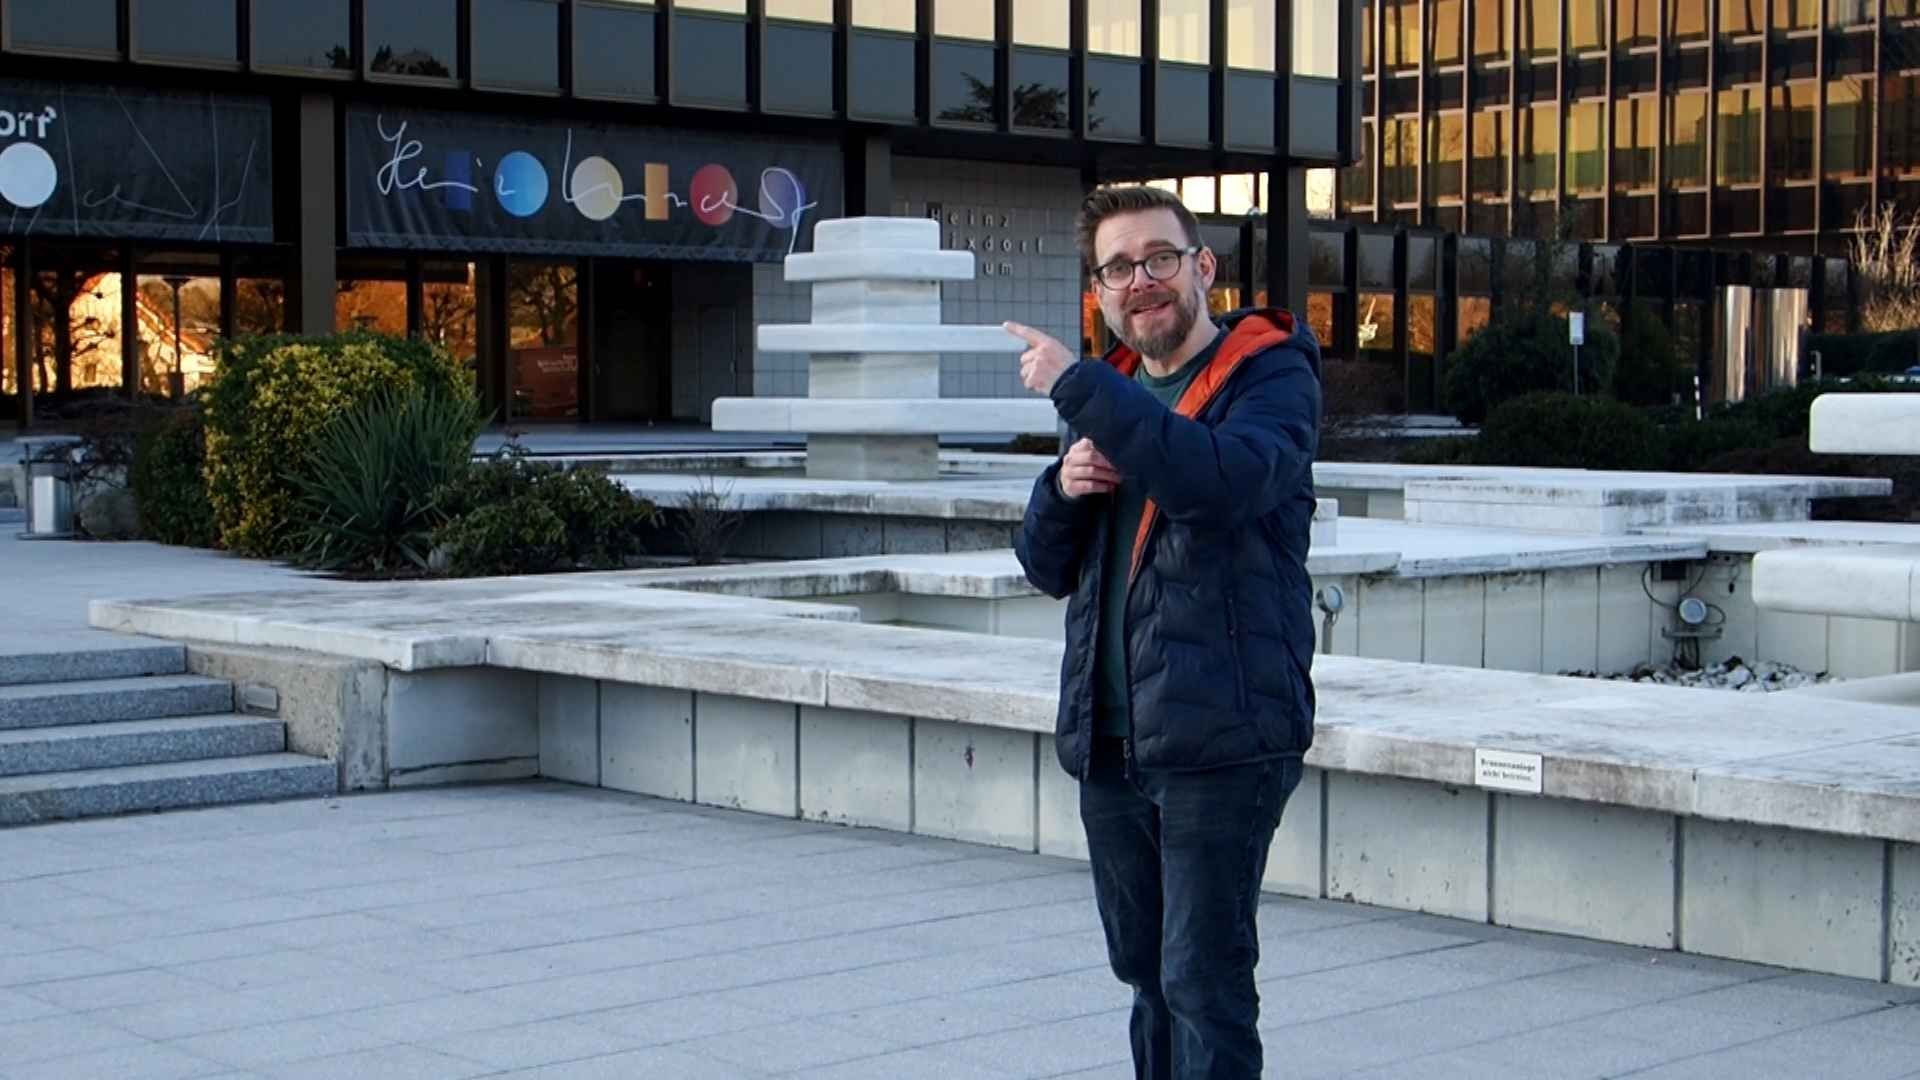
[873, 409]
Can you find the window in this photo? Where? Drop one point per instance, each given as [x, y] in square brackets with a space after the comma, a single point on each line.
[516, 43]
[76, 25]
[1400, 160]
[814, 11]
[1586, 171]
[302, 34]
[1540, 27]
[613, 51]
[1737, 137]
[1446, 151]
[1687, 20]
[1250, 35]
[1635, 133]
[1849, 129]
[1742, 18]
[1489, 162]
[1539, 163]
[1375, 323]
[1900, 126]
[718, 7]
[1113, 27]
[1475, 312]
[1042, 23]
[1636, 22]
[1316, 38]
[1586, 25]
[1790, 15]
[1185, 31]
[417, 38]
[1200, 193]
[1849, 12]
[1687, 139]
[1403, 34]
[1492, 21]
[191, 30]
[1790, 136]
[1320, 316]
[968, 19]
[885, 15]
[1356, 180]
[1443, 28]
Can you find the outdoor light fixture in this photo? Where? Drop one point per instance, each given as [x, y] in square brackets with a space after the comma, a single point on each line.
[1331, 600]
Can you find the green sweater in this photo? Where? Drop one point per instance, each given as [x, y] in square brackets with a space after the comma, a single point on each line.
[1128, 504]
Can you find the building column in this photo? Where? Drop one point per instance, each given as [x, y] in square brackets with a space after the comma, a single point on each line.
[311, 299]
[1286, 239]
[868, 165]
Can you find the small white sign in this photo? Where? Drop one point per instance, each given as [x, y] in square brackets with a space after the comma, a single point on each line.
[1577, 328]
[1507, 770]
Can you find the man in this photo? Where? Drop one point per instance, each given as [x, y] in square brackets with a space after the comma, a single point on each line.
[1178, 522]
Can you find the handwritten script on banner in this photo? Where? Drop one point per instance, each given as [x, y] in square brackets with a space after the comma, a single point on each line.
[443, 181]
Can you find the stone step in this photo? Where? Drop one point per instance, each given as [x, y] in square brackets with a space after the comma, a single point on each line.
[100, 701]
[26, 751]
[25, 800]
[80, 663]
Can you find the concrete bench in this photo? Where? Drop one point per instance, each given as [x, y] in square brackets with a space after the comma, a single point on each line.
[1774, 829]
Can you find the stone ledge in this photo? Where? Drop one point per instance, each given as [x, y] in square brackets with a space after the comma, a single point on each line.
[887, 338]
[1874, 582]
[885, 416]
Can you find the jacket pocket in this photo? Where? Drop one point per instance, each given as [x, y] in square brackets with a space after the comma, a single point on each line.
[1239, 660]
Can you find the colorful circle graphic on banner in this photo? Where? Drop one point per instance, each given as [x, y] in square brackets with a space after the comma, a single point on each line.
[27, 175]
[520, 183]
[781, 197]
[597, 188]
[714, 195]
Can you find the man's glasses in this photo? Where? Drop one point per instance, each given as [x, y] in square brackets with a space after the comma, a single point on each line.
[1160, 265]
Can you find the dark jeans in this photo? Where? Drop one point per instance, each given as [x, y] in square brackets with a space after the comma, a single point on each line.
[1177, 862]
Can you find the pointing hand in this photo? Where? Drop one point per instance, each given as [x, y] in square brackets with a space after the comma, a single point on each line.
[1044, 361]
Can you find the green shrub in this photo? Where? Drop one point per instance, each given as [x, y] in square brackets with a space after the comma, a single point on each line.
[522, 536]
[1691, 444]
[1649, 370]
[169, 481]
[1522, 353]
[268, 402]
[601, 524]
[1888, 353]
[1563, 431]
[365, 493]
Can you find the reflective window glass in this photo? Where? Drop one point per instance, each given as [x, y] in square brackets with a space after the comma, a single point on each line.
[1737, 136]
[1316, 38]
[1586, 24]
[1400, 159]
[1250, 33]
[820, 11]
[967, 19]
[1636, 22]
[188, 30]
[516, 43]
[1687, 20]
[1402, 34]
[1849, 12]
[1443, 31]
[1742, 18]
[1539, 162]
[1849, 128]
[1042, 22]
[1491, 26]
[886, 15]
[90, 25]
[1186, 27]
[1687, 139]
[1356, 181]
[1540, 27]
[722, 7]
[1796, 14]
[302, 34]
[613, 51]
[1635, 135]
[1489, 161]
[1790, 134]
[1446, 152]
[1113, 27]
[413, 37]
[1900, 126]
[1586, 171]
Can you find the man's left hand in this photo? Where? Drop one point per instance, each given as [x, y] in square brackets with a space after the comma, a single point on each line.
[1044, 361]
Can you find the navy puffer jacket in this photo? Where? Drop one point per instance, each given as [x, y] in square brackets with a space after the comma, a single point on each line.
[1218, 627]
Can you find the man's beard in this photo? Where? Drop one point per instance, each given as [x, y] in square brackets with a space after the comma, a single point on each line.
[1186, 311]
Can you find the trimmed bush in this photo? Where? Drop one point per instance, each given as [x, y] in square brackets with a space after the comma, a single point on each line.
[1525, 353]
[600, 523]
[1888, 353]
[1649, 371]
[169, 481]
[270, 399]
[1692, 444]
[1441, 450]
[1563, 431]
[366, 490]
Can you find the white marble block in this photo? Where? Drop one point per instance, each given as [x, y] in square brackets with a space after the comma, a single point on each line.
[876, 375]
[868, 301]
[1865, 424]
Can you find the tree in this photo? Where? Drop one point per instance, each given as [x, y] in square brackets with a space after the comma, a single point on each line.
[544, 299]
[1886, 264]
[1035, 105]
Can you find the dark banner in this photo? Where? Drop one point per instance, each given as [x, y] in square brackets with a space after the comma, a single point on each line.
[106, 162]
[453, 182]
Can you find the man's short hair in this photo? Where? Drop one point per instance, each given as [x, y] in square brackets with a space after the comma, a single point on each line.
[1104, 202]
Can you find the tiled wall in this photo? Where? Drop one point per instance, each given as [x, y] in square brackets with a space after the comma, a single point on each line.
[1030, 208]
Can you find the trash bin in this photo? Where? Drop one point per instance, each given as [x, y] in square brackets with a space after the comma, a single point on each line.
[48, 462]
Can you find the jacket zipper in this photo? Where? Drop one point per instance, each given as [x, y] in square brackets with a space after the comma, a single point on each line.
[1239, 662]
